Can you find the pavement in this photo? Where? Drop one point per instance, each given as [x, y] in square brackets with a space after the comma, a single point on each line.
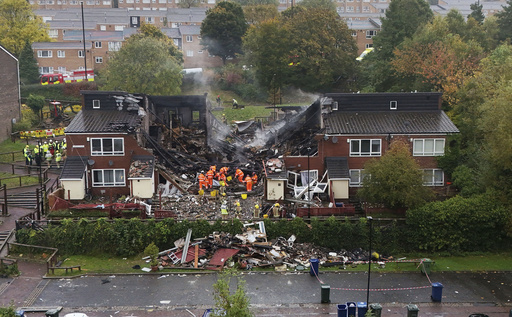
[271, 294]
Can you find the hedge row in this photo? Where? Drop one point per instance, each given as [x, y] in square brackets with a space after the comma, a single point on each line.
[455, 225]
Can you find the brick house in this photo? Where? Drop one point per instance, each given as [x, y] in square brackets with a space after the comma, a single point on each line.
[9, 92]
[360, 127]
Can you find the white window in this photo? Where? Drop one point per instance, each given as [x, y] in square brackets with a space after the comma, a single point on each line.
[107, 146]
[365, 147]
[46, 70]
[102, 178]
[119, 27]
[366, 9]
[61, 69]
[61, 54]
[188, 38]
[44, 54]
[162, 1]
[368, 45]
[114, 46]
[53, 33]
[97, 44]
[357, 10]
[356, 177]
[96, 104]
[200, 52]
[98, 60]
[433, 177]
[190, 53]
[73, 2]
[370, 34]
[106, 2]
[211, 1]
[350, 9]
[354, 33]
[393, 105]
[90, 2]
[428, 147]
[340, 9]
[81, 54]
[103, 27]
[150, 20]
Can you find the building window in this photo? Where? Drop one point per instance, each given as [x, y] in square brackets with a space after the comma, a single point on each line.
[97, 44]
[356, 177]
[428, 147]
[189, 38]
[46, 70]
[81, 54]
[98, 60]
[433, 177]
[96, 104]
[102, 178]
[200, 52]
[61, 54]
[366, 9]
[368, 45]
[107, 146]
[106, 2]
[393, 105]
[190, 53]
[365, 147]
[370, 34]
[119, 27]
[53, 34]
[61, 69]
[354, 33]
[103, 27]
[350, 9]
[150, 20]
[114, 46]
[44, 54]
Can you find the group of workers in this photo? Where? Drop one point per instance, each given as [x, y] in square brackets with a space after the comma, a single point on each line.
[221, 175]
[46, 151]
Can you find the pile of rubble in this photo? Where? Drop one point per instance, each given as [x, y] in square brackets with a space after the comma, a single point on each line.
[249, 250]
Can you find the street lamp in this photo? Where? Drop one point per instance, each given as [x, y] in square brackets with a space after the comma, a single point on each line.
[370, 221]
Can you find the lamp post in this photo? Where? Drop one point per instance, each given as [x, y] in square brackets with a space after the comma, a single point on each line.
[370, 220]
[309, 181]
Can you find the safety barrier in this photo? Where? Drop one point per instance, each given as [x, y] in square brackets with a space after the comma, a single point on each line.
[39, 134]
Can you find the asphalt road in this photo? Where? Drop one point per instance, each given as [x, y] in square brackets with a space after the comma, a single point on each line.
[279, 294]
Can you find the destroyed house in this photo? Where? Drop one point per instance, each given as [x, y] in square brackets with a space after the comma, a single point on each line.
[104, 152]
[360, 127]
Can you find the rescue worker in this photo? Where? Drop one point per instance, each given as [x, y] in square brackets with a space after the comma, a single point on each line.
[63, 146]
[222, 189]
[256, 211]
[28, 155]
[254, 178]
[275, 210]
[235, 104]
[45, 149]
[51, 147]
[48, 158]
[209, 176]
[224, 119]
[224, 210]
[58, 158]
[240, 175]
[224, 170]
[202, 181]
[248, 183]
[37, 154]
[219, 103]
[238, 209]
[222, 178]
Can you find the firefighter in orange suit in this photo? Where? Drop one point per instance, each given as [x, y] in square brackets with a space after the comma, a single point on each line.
[240, 175]
[248, 183]
[254, 178]
[209, 176]
[224, 170]
[202, 181]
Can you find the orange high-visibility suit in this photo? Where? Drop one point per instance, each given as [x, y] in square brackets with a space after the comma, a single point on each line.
[224, 170]
[240, 175]
[209, 175]
[202, 181]
[248, 183]
[254, 178]
[222, 178]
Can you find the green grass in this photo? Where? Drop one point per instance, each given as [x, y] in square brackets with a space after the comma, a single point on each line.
[485, 262]
[8, 146]
[13, 181]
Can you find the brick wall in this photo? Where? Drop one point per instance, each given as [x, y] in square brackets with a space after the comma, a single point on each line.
[9, 93]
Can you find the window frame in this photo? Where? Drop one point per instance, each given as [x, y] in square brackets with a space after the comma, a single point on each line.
[102, 151]
[425, 153]
[356, 173]
[430, 173]
[362, 153]
[48, 52]
[103, 183]
[189, 38]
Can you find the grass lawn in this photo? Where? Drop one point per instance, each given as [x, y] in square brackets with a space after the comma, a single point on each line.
[484, 262]
[8, 146]
[13, 181]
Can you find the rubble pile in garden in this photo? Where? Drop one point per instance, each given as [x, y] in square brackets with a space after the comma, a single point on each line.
[252, 249]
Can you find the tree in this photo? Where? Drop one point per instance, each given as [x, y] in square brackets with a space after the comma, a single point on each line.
[29, 73]
[222, 30]
[227, 304]
[505, 21]
[244, 3]
[318, 4]
[476, 12]
[255, 14]
[189, 3]
[145, 65]
[36, 104]
[150, 30]
[394, 180]
[19, 24]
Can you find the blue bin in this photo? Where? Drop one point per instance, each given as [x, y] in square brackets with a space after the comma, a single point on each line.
[351, 308]
[342, 310]
[437, 292]
[313, 270]
[362, 308]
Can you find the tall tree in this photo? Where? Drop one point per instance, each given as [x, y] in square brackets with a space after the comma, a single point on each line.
[222, 30]
[476, 12]
[150, 30]
[395, 180]
[36, 104]
[29, 73]
[318, 4]
[19, 24]
[244, 3]
[145, 65]
[505, 21]
[189, 3]
[255, 14]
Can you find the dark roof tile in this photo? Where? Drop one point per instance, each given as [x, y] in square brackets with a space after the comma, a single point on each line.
[100, 121]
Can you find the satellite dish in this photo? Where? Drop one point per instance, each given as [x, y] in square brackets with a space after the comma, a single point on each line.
[91, 162]
[334, 140]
